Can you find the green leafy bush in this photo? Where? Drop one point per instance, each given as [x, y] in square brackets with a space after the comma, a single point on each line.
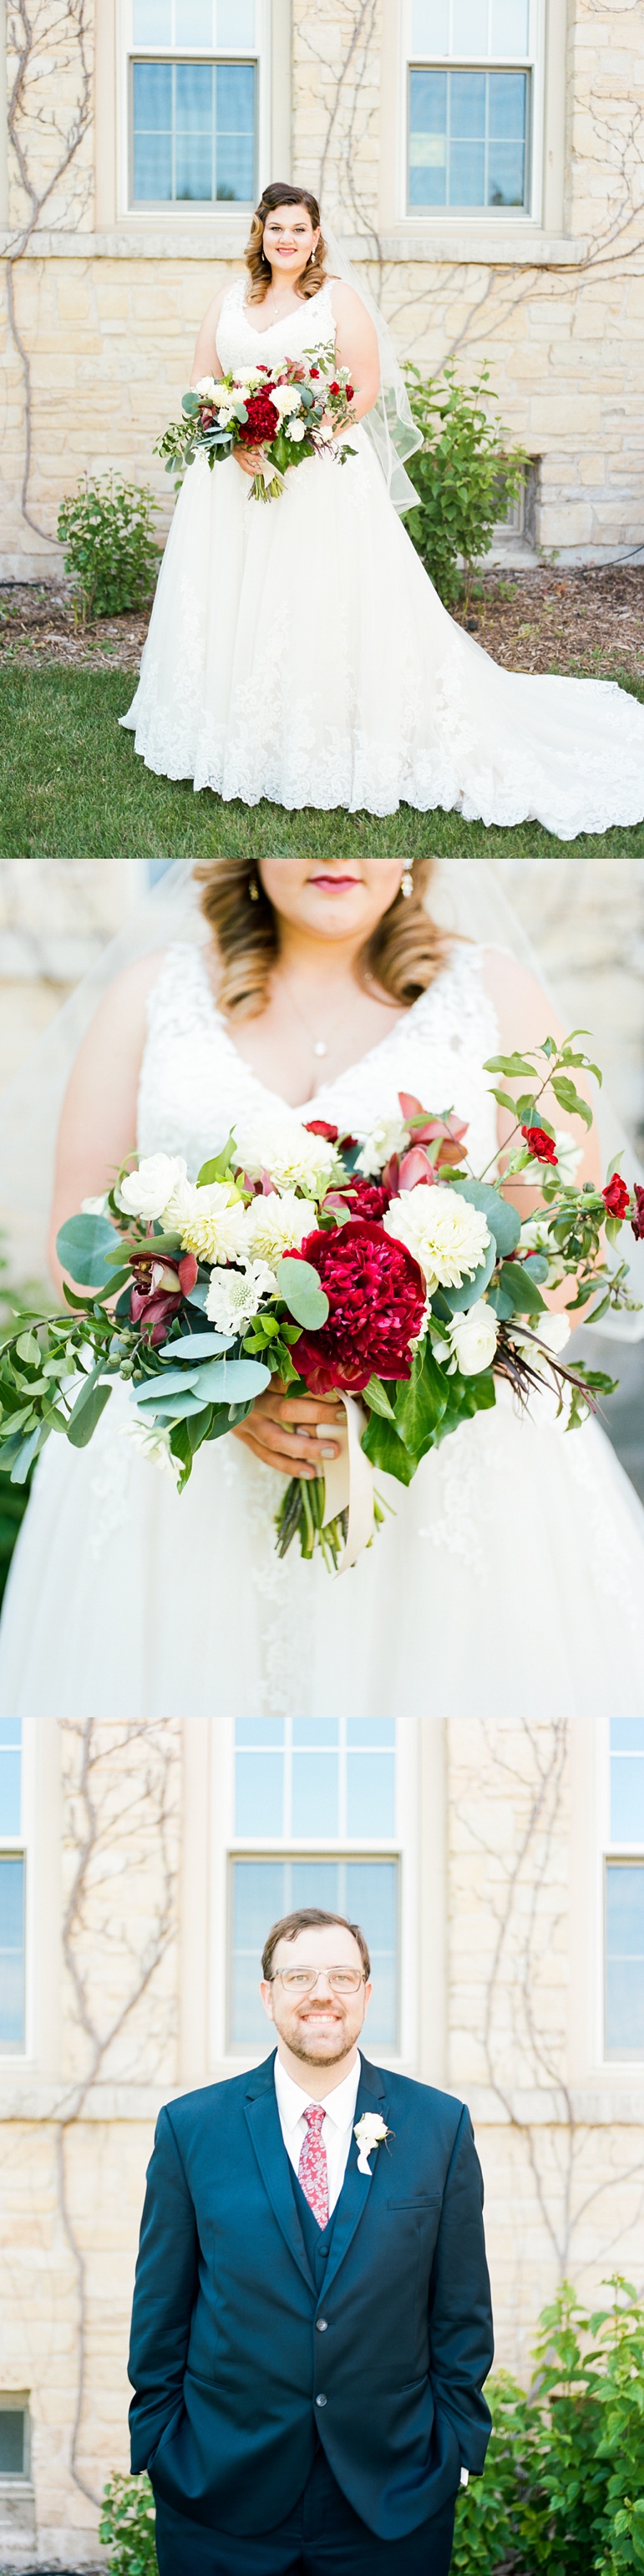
[127, 2526]
[563, 2486]
[464, 473]
[112, 551]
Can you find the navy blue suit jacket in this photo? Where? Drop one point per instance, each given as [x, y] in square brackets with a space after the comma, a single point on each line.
[226, 2359]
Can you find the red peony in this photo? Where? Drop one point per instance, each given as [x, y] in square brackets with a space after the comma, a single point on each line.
[376, 1294]
[637, 1221]
[616, 1196]
[262, 422]
[541, 1145]
[157, 1291]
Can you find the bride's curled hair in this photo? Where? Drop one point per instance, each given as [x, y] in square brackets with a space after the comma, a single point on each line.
[406, 950]
[280, 193]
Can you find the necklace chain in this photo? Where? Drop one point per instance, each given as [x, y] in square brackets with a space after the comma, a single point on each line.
[319, 1045]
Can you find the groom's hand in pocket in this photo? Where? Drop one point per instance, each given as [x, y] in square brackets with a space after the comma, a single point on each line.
[296, 1434]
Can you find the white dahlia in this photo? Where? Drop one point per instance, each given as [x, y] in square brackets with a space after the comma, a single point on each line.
[211, 1222]
[283, 1148]
[277, 1224]
[445, 1233]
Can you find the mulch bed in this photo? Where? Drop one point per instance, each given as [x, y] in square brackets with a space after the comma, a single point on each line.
[586, 622]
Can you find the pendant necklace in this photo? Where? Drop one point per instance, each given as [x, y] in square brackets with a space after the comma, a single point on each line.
[319, 1046]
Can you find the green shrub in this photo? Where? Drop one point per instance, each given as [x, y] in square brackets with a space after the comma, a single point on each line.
[112, 551]
[464, 474]
[127, 2522]
[563, 2486]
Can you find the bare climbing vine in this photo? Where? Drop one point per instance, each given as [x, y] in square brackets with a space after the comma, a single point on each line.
[120, 1788]
[49, 113]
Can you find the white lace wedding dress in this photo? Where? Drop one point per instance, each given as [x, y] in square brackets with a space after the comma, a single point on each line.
[299, 652]
[508, 1578]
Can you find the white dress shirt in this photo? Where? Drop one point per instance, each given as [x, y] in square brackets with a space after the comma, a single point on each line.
[337, 2125]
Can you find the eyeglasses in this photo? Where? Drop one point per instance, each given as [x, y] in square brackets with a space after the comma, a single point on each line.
[301, 1981]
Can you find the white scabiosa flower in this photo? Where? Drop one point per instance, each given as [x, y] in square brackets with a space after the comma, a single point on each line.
[285, 1150]
[296, 430]
[235, 1295]
[146, 1193]
[474, 1337]
[446, 1234]
[277, 1224]
[212, 1222]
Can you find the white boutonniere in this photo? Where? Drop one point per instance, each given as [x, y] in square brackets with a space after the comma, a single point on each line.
[370, 2132]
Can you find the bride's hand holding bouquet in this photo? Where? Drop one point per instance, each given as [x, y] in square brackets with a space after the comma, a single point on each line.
[269, 418]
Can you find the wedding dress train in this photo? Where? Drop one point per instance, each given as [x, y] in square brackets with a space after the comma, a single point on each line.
[507, 1580]
[298, 651]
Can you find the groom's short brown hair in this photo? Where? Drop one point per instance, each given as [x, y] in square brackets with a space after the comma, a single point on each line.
[309, 1918]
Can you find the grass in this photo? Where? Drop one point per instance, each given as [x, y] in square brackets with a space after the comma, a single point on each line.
[74, 788]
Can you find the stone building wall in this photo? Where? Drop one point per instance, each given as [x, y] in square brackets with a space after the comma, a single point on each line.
[107, 312]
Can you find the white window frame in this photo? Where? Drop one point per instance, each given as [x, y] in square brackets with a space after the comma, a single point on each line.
[165, 211]
[21, 1846]
[463, 218]
[226, 1846]
[610, 1850]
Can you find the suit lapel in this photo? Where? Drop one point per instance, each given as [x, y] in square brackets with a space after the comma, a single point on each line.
[357, 2187]
[264, 2124]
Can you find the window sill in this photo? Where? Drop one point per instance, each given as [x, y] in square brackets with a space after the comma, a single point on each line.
[149, 236]
[472, 241]
[613, 2097]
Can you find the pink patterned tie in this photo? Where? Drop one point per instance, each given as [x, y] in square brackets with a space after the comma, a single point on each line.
[312, 2169]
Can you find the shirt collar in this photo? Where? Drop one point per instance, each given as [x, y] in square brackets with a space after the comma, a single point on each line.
[293, 2102]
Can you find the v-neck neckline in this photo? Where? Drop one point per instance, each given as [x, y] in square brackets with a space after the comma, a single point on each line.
[291, 308]
[296, 1109]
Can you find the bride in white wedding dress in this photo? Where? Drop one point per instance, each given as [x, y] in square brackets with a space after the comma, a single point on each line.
[299, 652]
[509, 1577]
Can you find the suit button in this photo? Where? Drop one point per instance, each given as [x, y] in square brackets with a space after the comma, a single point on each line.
[320, 2401]
[321, 2324]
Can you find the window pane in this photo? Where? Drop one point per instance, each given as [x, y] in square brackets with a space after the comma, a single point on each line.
[370, 1794]
[627, 1798]
[10, 1739]
[625, 1960]
[267, 1731]
[316, 1730]
[371, 1730]
[259, 1793]
[430, 27]
[626, 1734]
[12, 2442]
[469, 27]
[193, 23]
[366, 1891]
[152, 22]
[507, 128]
[194, 132]
[236, 22]
[315, 1794]
[371, 1899]
[152, 93]
[510, 33]
[257, 1902]
[427, 138]
[467, 138]
[235, 118]
[12, 1962]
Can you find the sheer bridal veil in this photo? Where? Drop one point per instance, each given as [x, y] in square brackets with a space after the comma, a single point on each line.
[465, 894]
[390, 425]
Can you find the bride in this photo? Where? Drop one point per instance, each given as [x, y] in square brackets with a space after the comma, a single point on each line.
[299, 652]
[509, 1575]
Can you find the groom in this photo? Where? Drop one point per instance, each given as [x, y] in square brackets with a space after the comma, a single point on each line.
[312, 2322]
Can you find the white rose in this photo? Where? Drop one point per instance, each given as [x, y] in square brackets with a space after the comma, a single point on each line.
[390, 1136]
[446, 1234]
[235, 1295]
[474, 1338]
[295, 429]
[146, 1193]
[278, 1224]
[207, 388]
[284, 1149]
[287, 398]
[325, 430]
[212, 1221]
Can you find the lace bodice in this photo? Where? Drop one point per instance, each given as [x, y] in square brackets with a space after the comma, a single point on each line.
[310, 326]
[194, 1084]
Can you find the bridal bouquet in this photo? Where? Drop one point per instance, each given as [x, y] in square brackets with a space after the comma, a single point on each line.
[385, 1271]
[290, 412]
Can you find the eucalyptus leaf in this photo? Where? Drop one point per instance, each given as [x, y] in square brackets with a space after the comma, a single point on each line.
[171, 1381]
[459, 1299]
[231, 1381]
[87, 1412]
[196, 1346]
[175, 1407]
[299, 1285]
[503, 1219]
[525, 1295]
[83, 1245]
[26, 1455]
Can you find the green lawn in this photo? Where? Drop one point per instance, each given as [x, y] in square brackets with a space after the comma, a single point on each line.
[73, 788]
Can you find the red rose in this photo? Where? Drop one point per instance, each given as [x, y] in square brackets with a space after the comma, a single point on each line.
[376, 1294]
[314, 371]
[637, 1222]
[334, 388]
[616, 1196]
[262, 422]
[349, 391]
[541, 1145]
[157, 1291]
[321, 1127]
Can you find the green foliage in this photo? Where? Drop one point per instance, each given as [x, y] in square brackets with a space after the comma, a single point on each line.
[14, 1302]
[464, 473]
[563, 2487]
[127, 2522]
[112, 551]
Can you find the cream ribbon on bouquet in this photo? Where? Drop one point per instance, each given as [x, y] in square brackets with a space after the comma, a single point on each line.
[348, 1479]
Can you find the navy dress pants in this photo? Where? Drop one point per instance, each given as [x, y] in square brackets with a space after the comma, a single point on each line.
[322, 2536]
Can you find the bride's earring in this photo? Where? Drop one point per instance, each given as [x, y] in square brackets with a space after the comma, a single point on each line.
[253, 891]
[406, 883]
